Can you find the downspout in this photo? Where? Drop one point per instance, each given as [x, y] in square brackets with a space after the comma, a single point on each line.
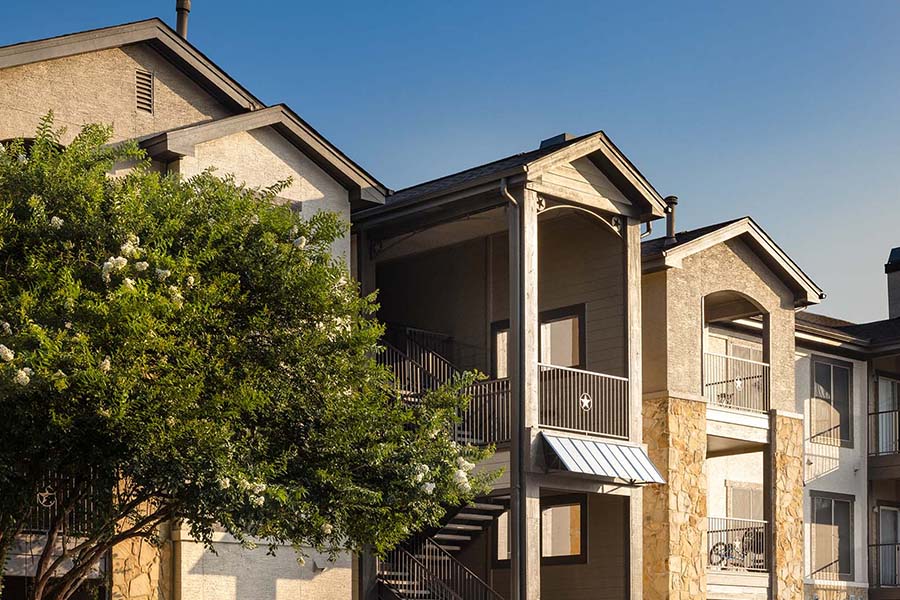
[504, 190]
[649, 229]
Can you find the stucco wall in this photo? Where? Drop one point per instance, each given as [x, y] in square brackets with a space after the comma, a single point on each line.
[730, 266]
[743, 468]
[99, 87]
[262, 157]
[832, 468]
[238, 573]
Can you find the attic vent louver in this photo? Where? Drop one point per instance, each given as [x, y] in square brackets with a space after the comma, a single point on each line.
[144, 90]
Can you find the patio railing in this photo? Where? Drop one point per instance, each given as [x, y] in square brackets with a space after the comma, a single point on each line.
[731, 382]
[737, 544]
[884, 565]
[583, 401]
[884, 432]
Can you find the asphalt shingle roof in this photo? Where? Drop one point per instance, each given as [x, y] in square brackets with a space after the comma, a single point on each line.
[655, 246]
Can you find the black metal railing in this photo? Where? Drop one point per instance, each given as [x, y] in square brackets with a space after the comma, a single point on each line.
[422, 569]
[583, 401]
[737, 544]
[884, 565]
[884, 432]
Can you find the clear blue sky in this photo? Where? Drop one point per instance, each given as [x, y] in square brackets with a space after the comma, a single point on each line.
[788, 112]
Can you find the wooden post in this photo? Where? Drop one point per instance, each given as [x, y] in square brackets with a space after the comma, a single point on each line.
[632, 239]
[525, 498]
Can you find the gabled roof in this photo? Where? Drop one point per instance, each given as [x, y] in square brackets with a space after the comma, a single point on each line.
[876, 332]
[151, 31]
[529, 165]
[182, 141]
[657, 254]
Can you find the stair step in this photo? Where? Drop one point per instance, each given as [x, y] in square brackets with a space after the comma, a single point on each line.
[486, 506]
[470, 516]
[450, 548]
[452, 537]
[463, 527]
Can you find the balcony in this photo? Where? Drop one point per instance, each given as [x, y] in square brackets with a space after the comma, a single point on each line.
[737, 545]
[884, 432]
[884, 565]
[582, 401]
[736, 383]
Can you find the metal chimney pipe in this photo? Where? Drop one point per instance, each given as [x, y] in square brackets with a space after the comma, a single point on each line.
[183, 8]
[671, 203]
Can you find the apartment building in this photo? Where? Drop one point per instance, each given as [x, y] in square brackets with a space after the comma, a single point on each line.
[151, 85]
[669, 420]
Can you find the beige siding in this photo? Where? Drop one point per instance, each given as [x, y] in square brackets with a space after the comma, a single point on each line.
[583, 177]
[99, 87]
[446, 290]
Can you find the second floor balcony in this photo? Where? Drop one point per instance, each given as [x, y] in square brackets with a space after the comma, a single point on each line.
[736, 383]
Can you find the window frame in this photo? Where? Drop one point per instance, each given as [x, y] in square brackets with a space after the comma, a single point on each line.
[549, 502]
[545, 316]
[731, 485]
[815, 359]
[833, 497]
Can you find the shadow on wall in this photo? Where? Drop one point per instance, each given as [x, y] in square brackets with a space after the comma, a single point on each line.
[241, 574]
[821, 458]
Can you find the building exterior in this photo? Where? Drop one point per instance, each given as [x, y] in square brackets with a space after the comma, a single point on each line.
[150, 84]
[670, 421]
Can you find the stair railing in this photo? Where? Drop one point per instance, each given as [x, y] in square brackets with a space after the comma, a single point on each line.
[453, 574]
[410, 577]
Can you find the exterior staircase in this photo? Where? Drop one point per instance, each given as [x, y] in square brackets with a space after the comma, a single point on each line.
[426, 567]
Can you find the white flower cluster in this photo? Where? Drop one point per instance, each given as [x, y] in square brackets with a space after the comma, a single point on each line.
[112, 265]
[56, 222]
[6, 354]
[300, 243]
[141, 266]
[7, 328]
[177, 298]
[132, 247]
[105, 365]
[327, 529]
[461, 477]
[23, 376]
[163, 274]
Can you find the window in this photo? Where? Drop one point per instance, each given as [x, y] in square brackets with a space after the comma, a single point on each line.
[561, 340]
[563, 531]
[832, 421]
[143, 81]
[744, 500]
[832, 536]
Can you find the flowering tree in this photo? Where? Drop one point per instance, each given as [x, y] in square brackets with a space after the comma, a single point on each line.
[190, 351]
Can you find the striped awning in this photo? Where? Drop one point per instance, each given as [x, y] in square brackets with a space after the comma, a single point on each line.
[627, 464]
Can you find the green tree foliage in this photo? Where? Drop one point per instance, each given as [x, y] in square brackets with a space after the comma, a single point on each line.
[189, 351]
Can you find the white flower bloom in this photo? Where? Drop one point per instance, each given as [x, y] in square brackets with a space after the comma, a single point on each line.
[56, 222]
[105, 365]
[128, 283]
[7, 328]
[293, 231]
[421, 472]
[258, 488]
[463, 464]
[257, 500]
[177, 298]
[327, 528]
[190, 281]
[465, 487]
[224, 483]
[131, 248]
[300, 243]
[28, 371]
[68, 325]
[22, 159]
[141, 266]
[59, 374]
[6, 354]
[254, 219]
[112, 265]
[428, 487]
[163, 274]
[461, 477]
[22, 377]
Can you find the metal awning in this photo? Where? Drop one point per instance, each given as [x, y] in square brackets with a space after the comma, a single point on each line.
[629, 464]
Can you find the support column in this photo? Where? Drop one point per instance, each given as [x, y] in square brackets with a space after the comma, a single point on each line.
[784, 466]
[675, 514]
[632, 239]
[525, 509]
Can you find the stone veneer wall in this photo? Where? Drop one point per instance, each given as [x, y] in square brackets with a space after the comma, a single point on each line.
[787, 505]
[675, 522]
[141, 569]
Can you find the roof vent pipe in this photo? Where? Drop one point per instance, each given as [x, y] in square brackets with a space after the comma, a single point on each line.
[183, 8]
[671, 203]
